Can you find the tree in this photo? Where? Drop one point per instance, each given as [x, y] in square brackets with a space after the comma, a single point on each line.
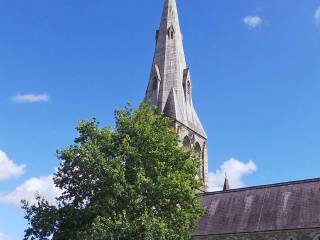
[129, 182]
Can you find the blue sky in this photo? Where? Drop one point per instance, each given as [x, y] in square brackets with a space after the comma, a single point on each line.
[256, 84]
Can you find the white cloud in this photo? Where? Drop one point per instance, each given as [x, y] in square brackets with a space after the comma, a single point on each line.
[8, 168]
[30, 98]
[252, 21]
[3, 237]
[235, 170]
[317, 16]
[42, 186]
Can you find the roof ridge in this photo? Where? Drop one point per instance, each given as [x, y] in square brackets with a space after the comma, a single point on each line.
[265, 186]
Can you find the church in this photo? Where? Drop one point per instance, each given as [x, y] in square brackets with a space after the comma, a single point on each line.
[285, 211]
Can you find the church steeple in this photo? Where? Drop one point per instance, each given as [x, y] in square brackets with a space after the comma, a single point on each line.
[170, 84]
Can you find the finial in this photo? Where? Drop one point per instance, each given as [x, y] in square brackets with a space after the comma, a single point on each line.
[226, 185]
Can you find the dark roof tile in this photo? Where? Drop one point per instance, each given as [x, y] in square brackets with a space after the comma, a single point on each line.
[291, 205]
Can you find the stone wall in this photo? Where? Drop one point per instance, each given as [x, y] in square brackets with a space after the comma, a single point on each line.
[305, 234]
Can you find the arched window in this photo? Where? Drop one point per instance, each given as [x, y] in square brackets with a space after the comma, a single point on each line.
[198, 152]
[197, 149]
[171, 32]
[186, 142]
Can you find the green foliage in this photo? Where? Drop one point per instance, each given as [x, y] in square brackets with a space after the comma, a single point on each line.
[130, 182]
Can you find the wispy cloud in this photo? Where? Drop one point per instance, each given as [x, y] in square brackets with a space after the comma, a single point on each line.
[30, 98]
[252, 21]
[4, 237]
[317, 16]
[235, 170]
[42, 186]
[9, 169]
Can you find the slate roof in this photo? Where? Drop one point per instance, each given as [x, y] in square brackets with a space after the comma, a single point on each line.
[285, 206]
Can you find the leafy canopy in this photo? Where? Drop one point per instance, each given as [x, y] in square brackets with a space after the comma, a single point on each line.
[128, 182]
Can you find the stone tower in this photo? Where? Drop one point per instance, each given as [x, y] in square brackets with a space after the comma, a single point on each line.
[170, 86]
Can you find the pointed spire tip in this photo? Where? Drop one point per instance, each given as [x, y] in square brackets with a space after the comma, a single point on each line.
[226, 185]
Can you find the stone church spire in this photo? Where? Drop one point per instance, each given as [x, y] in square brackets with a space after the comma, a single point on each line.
[170, 84]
